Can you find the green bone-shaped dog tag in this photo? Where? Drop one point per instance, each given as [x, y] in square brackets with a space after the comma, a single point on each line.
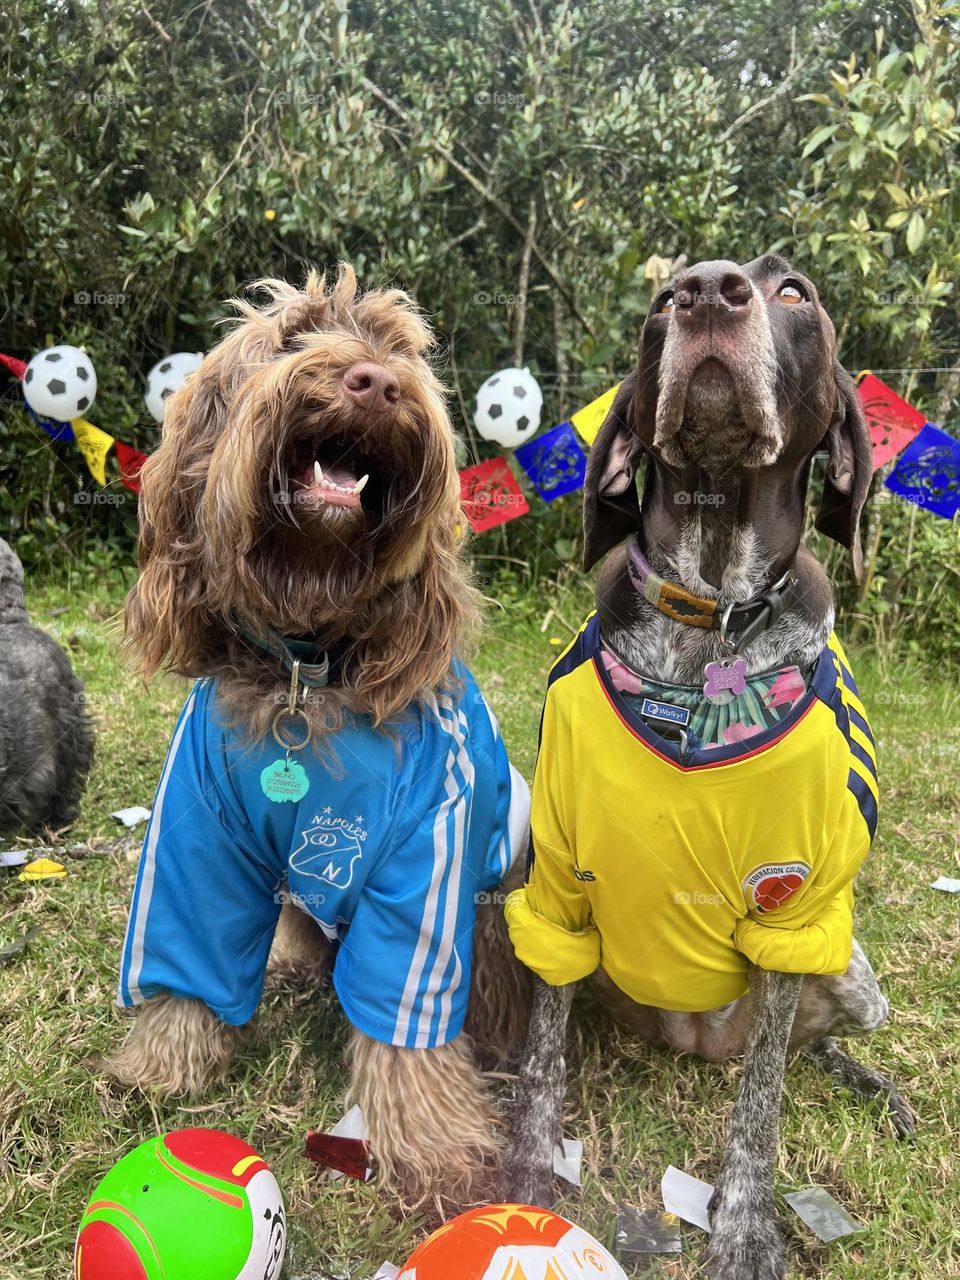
[284, 780]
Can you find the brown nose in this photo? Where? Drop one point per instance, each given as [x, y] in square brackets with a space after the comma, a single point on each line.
[372, 386]
[712, 292]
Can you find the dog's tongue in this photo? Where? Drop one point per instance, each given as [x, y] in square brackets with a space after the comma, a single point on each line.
[340, 473]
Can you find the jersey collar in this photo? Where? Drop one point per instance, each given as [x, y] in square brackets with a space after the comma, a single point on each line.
[822, 682]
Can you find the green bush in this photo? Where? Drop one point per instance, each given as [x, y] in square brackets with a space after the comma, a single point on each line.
[515, 167]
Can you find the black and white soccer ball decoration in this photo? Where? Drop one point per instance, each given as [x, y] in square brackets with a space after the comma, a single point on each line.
[167, 376]
[60, 383]
[509, 405]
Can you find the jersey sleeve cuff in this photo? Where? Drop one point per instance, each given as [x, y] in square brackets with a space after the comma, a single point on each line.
[557, 954]
[824, 947]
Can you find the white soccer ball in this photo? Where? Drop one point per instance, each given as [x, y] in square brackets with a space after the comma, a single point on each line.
[509, 405]
[60, 383]
[167, 376]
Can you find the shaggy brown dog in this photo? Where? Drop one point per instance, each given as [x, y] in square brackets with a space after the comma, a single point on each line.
[256, 523]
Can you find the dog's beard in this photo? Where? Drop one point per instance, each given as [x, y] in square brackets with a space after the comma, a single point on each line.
[717, 403]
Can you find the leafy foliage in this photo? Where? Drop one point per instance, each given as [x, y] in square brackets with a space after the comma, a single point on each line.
[515, 166]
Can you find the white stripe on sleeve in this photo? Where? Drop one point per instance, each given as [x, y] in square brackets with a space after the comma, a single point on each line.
[518, 818]
[137, 926]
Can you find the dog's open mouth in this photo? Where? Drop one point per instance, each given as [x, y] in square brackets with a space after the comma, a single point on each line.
[332, 472]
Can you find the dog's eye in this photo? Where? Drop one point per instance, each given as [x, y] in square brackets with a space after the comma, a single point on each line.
[791, 294]
[666, 304]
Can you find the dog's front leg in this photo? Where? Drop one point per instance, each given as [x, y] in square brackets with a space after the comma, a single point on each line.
[537, 1121]
[746, 1243]
[432, 1123]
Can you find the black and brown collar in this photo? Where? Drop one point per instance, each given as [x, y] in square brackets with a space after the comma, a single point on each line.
[738, 624]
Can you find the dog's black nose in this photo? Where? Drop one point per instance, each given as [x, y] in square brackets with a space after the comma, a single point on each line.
[711, 291]
[372, 386]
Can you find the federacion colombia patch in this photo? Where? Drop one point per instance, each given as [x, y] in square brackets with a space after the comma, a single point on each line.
[769, 886]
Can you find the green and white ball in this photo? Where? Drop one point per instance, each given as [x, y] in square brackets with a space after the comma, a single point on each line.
[196, 1204]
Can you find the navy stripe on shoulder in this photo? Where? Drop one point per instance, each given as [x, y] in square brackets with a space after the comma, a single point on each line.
[865, 801]
[581, 650]
[863, 756]
[825, 679]
[848, 679]
[857, 719]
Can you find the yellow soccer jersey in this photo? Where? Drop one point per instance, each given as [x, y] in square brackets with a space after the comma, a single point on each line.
[673, 871]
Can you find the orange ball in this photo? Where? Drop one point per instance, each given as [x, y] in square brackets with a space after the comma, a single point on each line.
[511, 1240]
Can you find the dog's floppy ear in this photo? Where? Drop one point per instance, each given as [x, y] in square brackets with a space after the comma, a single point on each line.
[611, 507]
[849, 468]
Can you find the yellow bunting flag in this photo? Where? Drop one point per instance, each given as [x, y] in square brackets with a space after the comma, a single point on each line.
[94, 445]
[589, 419]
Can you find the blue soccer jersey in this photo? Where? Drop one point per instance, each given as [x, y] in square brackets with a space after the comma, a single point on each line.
[388, 849]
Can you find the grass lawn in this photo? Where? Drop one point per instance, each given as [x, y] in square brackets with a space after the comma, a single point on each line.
[636, 1108]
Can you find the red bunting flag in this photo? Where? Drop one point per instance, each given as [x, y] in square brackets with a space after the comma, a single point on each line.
[892, 422]
[490, 494]
[130, 460]
[17, 367]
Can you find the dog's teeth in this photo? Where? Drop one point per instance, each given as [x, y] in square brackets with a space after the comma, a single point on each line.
[317, 473]
[358, 487]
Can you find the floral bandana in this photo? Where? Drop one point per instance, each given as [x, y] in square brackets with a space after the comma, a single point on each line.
[768, 697]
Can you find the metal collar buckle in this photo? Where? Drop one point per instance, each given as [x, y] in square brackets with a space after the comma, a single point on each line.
[292, 711]
[770, 611]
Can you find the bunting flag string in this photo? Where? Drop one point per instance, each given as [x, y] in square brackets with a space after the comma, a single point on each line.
[926, 458]
[93, 443]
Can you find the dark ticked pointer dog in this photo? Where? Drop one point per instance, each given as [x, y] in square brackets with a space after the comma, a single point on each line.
[46, 736]
[706, 784]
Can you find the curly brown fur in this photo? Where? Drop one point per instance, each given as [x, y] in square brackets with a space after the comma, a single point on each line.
[175, 1046]
[431, 1122]
[230, 540]
[499, 1011]
[300, 951]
